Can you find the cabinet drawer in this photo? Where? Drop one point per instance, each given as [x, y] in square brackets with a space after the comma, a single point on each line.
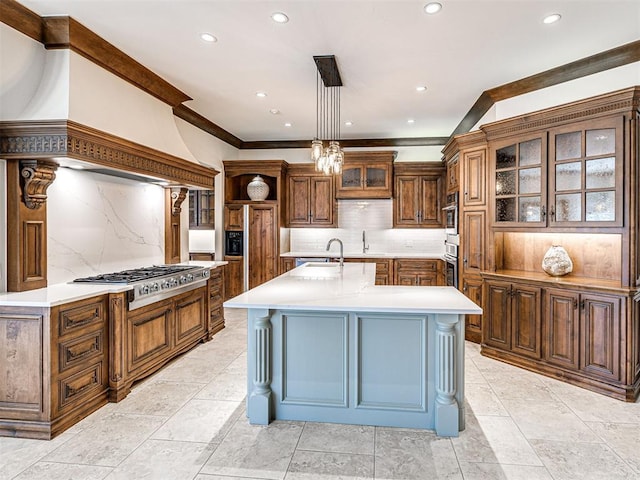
[80, 316]
[77, 386]
[417, 265]
[382, 268]
[78, 351]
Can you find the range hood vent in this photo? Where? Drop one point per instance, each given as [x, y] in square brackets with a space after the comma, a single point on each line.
[60, 140]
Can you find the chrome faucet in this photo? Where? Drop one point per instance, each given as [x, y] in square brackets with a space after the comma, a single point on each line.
[341, 249]
[365, 247]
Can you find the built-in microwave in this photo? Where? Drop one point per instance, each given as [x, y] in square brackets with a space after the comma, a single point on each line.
[451, 214]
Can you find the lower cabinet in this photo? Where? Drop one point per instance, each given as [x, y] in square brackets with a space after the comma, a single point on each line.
[54, 368]
[384, 268]
[234, 277]
[577, 334]
[512, 318]
[414, 271]
[582, 332]
[216, 288]
[472, 287]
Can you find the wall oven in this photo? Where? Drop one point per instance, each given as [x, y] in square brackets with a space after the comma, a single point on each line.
[451, 214]
[451, 264]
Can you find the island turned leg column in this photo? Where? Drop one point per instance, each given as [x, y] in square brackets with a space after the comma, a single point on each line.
[448, 364]
[259, 403]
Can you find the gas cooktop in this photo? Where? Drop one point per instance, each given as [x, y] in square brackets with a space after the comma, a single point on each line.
[155, 283]
[126, 277]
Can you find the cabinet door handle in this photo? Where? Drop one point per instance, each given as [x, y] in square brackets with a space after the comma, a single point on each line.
[552, 212]
[581, 304]
[543, 212]
[464, 260]
[575, 303]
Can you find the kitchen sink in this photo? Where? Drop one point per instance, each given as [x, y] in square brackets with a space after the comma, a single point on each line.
[317, 271]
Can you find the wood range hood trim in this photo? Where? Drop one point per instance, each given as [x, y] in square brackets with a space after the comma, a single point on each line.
[57, 139]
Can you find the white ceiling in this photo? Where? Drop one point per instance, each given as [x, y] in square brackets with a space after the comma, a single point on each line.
[384, 49]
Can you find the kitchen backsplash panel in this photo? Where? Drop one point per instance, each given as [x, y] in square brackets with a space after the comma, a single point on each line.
[100, 224]
[397, 240]
[363, 214]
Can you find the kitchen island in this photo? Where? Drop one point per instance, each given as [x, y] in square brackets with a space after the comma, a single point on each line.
[325, 344]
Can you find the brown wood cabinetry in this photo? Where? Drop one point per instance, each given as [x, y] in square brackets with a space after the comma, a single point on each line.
[310, 197]
[233, 217]
[512, 318]
[582, 331]
[262, 233]
[366, 175]
[384, 268]
[578, 335]
[453, 174]
[234, 277]
[286, 264]
[419, 195]
[55, 366]
[469, 153]
[216, 286]
[415, 271]
[201, 210]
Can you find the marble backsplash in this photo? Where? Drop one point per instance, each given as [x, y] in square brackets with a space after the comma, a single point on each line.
[99, 224]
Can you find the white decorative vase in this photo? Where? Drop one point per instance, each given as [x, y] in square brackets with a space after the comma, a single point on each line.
[257, 189]
[556, 261]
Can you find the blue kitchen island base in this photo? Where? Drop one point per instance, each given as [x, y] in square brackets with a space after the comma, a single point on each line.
[384, 369]
[326, 344]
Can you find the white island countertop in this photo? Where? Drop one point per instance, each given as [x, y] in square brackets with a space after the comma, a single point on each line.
[319, 287]
[61, 293]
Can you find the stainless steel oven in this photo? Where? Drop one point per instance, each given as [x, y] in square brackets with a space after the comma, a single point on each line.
[451, 263]
[451, 214]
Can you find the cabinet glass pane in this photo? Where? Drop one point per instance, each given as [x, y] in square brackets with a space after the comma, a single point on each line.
[506, 183]
[529, 180]
[601, 173]
[506, 157]
[601, 142]
[376, 177]
[569, 207]
[506, 209]
[568, 145]
[569, 176]
[351, 177]
[529, 209]
[601, 206]
[531, 152]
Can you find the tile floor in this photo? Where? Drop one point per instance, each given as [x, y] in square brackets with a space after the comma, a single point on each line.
[187, 422]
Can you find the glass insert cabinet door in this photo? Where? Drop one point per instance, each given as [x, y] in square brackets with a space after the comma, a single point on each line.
[585, 175]
[519, 183]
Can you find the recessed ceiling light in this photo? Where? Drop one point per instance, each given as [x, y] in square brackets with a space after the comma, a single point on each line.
[288, 124]
[421, 88]
[553, 18]
[411, 120]
[432, 7]
[207, 37]
[274, 111]
[348, 123]
[261, 94]
[279, 17]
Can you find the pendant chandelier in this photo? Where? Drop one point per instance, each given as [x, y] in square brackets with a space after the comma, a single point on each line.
[325, 147]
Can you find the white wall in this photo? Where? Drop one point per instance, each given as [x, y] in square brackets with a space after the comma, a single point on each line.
[22, 61]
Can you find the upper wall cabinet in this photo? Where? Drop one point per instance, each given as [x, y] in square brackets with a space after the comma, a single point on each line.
[569, 176]
[419, 195]
[366, 175]
[201, 209]
[310, 198]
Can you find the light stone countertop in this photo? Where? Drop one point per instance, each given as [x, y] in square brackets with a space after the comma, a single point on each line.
[326, 288]
[334, 254]
[61, 293]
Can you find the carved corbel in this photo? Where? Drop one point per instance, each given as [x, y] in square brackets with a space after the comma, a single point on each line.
[177, 197]
[35, 178]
